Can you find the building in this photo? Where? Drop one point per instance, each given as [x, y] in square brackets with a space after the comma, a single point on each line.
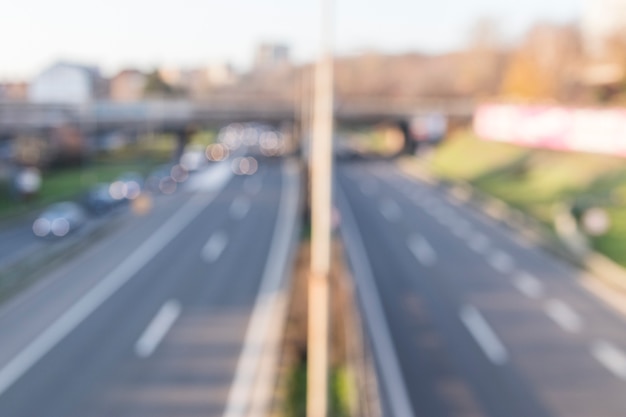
[14, 91]
[198, 83]
[127, 86]
[69, 83]
[603, 20]
[271, 55]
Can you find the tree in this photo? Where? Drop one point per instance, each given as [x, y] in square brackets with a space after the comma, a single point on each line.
[156, 85]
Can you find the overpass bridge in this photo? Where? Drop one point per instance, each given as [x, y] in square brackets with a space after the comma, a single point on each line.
[22, 117]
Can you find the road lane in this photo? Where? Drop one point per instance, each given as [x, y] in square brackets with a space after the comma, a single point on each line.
[550, 370]
[95, 370]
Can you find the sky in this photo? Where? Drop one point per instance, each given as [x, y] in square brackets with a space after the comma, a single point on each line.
[148, 33]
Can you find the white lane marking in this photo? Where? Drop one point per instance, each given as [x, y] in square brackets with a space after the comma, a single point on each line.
[479, 243]
[214, 247]
[369, 187]
[431, 206]
[484, 335]
[422, 250]
[382, 341]
[528, 285]
[501, 262]
[100, 293]
[444, 216]
[462, 229]
[157, 329]
[267, 306]
[390, 210]
[563, 315]
[240, 207]
[252, 185]
[611, 357]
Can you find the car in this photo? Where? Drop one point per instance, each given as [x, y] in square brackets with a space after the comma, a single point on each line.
[98, 199]
[59, 220]
[128, 186]
[160, 179]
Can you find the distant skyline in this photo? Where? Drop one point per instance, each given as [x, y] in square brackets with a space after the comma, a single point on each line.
[145, 33]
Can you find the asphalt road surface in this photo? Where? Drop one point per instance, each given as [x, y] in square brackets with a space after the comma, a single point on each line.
[466, 318]
[163, 317]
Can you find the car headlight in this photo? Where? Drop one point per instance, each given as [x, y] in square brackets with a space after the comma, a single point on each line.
[41, 227]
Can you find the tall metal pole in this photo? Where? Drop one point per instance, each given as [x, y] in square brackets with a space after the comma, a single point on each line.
[321, 207]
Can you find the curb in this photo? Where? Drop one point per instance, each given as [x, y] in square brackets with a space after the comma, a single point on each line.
[601, 267]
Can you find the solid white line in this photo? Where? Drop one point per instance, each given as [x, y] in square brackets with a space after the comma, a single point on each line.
[479, 243]
[422, 250]
[157, 329]
[112, 282]
[267, 304]
[501, 262]
[214, 247]
[563, 315]
[391, 374]
[528, 285]
[390, 210]
[368, 187]
[484, 335]
[611, 357]
[240, 207]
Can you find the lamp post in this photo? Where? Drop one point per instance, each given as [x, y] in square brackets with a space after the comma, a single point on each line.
[321, 213]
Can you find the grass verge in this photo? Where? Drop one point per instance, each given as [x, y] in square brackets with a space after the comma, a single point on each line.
[537, 181]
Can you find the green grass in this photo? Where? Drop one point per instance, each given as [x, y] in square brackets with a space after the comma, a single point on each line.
[295, 404]
[537, 180]
[341, 396]
[68, 183]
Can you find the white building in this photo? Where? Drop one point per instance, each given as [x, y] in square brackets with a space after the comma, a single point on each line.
[66, 83]
[602, 20]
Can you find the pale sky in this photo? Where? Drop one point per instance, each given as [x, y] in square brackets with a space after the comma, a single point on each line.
[146, 33]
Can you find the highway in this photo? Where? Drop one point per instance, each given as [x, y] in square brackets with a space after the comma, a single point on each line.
[465, 317]
[174, 313]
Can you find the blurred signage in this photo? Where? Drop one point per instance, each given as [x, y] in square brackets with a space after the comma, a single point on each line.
[553, 127]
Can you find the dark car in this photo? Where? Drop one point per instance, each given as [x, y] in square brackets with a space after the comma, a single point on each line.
[98, 199]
